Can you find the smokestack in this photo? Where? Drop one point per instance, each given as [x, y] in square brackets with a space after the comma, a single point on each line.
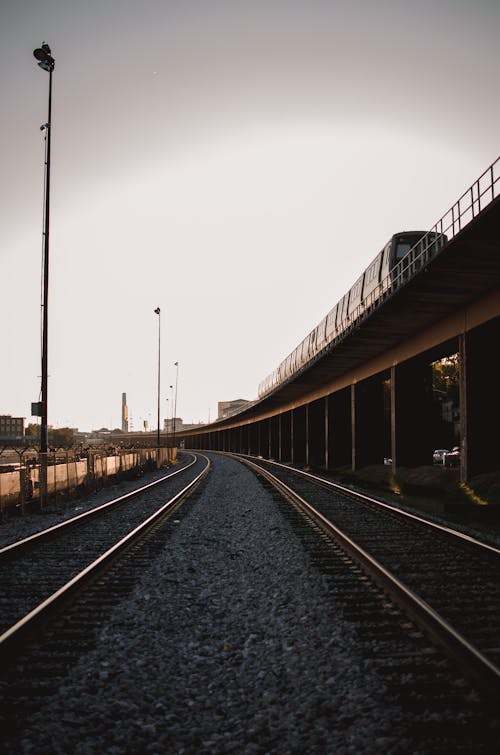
[124, 413]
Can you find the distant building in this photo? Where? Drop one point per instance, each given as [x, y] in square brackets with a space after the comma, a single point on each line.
[168, 425]
[103, 432]
[171, 423]
[226, 408]
[11, 427]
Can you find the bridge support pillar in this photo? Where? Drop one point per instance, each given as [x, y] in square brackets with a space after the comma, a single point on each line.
[339, 429]
[316, 434]
[479, 400]
[233, 435]
[285, 437]
[253, 439]
[274, 437]
[243, 439]
[411, 414]
[299, 435]
[264, 438]
[368, 423]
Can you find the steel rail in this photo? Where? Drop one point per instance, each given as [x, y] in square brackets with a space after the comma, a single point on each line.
[8, 552]
[470, 660]
[16, 635]
[490, 551]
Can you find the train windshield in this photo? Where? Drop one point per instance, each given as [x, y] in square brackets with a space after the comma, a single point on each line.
[403, 246]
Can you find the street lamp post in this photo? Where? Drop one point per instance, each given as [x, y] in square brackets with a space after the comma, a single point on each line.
[171, 408]
[47, 62]
[176, 365]
[157, 311]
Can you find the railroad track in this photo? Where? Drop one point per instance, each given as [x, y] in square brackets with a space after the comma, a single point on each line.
[446, 582]
[431, 703]
[40, 573]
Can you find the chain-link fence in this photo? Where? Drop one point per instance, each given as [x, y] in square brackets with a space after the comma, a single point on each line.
[71, 473]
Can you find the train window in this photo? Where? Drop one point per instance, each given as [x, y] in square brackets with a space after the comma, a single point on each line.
[356, 291]
[323, 328]
[330, 322]
[371, 273]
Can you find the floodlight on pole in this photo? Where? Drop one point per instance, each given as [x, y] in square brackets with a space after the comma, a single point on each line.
[45, 60]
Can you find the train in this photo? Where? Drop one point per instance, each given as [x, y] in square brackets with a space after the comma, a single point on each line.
[404, 254]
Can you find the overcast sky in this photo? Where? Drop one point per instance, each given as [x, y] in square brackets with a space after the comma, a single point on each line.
[236, 163]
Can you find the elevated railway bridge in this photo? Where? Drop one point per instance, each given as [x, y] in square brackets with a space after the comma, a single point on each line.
[368, 396]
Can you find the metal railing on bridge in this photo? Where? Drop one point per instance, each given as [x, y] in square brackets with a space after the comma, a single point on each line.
[467, 207]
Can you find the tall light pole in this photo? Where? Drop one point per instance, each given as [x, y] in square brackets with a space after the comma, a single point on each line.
[176, 365]
[157, 312]
[171, 408]
[47, 62]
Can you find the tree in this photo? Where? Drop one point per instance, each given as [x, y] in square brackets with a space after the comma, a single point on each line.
[32, 430]
[445, 377]
[61, 437]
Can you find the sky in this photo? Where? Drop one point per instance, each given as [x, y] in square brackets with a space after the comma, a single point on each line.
[237, 163]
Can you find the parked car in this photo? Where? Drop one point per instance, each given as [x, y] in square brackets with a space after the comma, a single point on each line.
[452, 458]
[439, 454]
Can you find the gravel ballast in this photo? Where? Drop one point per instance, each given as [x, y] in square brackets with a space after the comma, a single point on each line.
[230, 642]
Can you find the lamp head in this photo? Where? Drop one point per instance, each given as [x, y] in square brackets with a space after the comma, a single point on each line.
[44, 57]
